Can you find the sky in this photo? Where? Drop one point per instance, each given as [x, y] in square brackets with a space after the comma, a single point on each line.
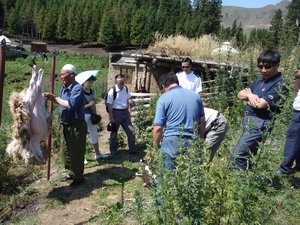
[249, 3]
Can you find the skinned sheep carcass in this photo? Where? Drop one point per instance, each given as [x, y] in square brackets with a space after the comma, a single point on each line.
[31, 122]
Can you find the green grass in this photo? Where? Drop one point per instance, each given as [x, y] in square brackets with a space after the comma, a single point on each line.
[117, 196]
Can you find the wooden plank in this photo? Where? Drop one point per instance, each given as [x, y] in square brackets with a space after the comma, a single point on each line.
[142, 94]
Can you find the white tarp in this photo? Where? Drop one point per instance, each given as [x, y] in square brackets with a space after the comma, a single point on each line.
[6, 39]
[226, 48]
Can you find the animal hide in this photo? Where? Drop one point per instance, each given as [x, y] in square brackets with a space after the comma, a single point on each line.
[147, 174]
[31, 122]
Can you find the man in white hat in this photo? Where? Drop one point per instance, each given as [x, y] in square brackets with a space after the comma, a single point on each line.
[71, 103]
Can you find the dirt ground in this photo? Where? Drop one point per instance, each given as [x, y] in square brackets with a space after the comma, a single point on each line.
[73, 48]
[78, 48]
[56, 203]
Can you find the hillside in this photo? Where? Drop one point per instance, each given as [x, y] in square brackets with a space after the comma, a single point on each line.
[252, 17]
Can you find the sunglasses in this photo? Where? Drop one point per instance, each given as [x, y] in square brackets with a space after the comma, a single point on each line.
[185, 66]
[266, 66]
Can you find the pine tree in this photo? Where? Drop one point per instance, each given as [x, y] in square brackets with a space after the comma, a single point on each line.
[38, 18]
[108, 35]
[276, 27]
[50, 21]
[14, 25]
[293, 19]
[239, 36]
[208, 16]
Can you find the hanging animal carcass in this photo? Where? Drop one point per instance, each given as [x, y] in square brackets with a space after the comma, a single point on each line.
[31, 122]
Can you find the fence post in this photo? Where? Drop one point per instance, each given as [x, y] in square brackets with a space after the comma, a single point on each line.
[2, 73]
[49, 145]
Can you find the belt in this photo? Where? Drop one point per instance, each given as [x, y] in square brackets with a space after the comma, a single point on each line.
[247, 113]
[120, 109]
[216, 121]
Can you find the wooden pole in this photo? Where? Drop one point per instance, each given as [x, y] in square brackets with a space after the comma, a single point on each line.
[48, 163]
[2, 72]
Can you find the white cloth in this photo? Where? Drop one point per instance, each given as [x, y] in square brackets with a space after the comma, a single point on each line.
[296, 104]
[190, 81]
[121, 101]
[92, 129]
[210, 116]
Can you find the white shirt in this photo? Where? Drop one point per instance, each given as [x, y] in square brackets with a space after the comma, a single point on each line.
[296, 104]
[210, 116]
[121, 101]
[190, 81]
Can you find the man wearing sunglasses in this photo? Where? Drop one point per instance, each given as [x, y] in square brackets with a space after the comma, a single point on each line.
[292, 142]
[187, 79]
[262, 99]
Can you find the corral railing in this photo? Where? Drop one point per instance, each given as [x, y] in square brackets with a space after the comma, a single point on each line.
[139, 100]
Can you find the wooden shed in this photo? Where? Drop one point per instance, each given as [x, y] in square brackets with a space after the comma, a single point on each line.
[38, 47]
[142, 71]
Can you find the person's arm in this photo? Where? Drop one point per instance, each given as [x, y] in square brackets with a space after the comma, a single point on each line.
[62, 102]
[90, 104]
[201, 129]
[253, 100]
[57, 100]
[157, 134]
[109, 103]
[110, 111]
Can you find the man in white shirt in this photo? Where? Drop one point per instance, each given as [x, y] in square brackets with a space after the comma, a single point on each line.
[187, 79]
[119, 114]
[216, 123]
[292, 142]
[215, 129]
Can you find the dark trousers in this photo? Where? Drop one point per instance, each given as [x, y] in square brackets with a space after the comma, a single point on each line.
[292, 145]
[122, 118]
[75, 137]
[253, 130]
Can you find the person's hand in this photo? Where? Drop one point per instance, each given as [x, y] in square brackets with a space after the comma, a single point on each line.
[92, 103]
[48, 96]
[112, 119]
[253, 100]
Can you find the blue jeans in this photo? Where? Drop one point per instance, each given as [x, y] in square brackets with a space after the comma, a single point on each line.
[292, 145]
[170, 148]
[253, 130]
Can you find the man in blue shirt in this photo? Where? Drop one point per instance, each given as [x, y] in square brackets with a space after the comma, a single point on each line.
[71, 103]
[178, 110]
[262, 99]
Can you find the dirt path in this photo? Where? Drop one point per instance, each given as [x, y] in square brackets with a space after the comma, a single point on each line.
[104, 134]
[109, 182]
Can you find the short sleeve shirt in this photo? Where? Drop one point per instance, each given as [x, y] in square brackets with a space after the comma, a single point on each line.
[270, 91]
[121, 101]
[88, 98]
[178, 110]
[190, 81]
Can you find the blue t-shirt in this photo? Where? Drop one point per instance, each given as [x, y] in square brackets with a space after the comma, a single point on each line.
[178, 110]
[270, 91]
[75, 96]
